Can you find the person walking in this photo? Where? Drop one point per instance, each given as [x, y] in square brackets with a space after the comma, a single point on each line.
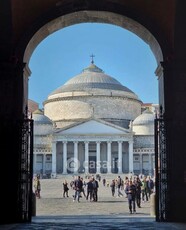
[112, 186]
[83, 188]
[89, 189]
[150, 186]
[65, 188]
[138, 185]
[126, 182]
[130, 190]
[118, 186]
[37, 186]
[144, 189]
[78, 184]
[95, 189]
[104, 181]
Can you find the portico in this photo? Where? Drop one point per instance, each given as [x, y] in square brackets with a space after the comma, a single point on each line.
[96, 153]
[81, 159]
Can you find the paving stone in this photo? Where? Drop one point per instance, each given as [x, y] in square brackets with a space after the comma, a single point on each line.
[53, 212]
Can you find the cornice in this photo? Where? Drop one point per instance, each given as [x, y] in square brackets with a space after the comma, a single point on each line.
[89, 96]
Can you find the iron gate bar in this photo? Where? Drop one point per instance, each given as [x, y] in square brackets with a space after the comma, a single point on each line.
[162, 169]
[156, 132]
[25, 170]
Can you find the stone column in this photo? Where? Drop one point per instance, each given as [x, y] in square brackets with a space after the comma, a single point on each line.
[76, 162]
[141, 163]
[98, 162]
[86, 163]
[120, 156]
[109, 156]
[130, 156]
[44, 163]
[150, 163]
[54, 159]
[64, 157]
[34, 163]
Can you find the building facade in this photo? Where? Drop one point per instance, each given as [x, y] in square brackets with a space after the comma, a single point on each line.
[93, 124]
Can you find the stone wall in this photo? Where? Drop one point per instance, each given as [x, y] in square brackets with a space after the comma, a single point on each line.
[97, 107]
[143, 141]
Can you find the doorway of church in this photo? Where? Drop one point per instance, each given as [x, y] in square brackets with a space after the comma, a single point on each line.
[92, 164]
[115, 165]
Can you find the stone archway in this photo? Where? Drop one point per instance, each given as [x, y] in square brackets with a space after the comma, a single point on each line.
[93, 16]
[98, 17]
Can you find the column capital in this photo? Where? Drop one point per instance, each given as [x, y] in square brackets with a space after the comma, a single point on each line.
[75, 142]
[98, 142]
[64, 142]
[120, 142]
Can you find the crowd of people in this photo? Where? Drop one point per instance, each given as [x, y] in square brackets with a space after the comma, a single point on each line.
[79, 186]
[136, 189]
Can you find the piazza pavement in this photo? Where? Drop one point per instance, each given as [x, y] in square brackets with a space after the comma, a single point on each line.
[54, 212]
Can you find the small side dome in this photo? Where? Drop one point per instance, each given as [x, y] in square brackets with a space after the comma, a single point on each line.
[144, 123]
[39, 117]
[42, 124]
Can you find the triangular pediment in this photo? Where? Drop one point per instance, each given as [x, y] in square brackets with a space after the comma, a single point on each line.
[93, 127]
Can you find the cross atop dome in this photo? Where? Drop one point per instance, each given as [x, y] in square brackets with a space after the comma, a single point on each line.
[92, 57]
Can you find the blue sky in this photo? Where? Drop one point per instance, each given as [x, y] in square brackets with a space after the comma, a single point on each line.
[118, 52]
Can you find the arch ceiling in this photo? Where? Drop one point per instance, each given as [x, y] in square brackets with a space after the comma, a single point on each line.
[96, 17]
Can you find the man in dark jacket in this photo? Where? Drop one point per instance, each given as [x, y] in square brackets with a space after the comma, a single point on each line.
[138, 185]
[95, 189]
[89, 189]
[130, 190]
[78, 184]
[150, 186]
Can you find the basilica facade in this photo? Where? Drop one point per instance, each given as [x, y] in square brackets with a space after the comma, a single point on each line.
[93, 124]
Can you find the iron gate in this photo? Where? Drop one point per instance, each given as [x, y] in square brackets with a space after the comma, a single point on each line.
[25, 170]
[162, 169]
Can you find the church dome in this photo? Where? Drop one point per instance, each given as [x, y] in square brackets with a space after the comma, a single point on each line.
[92, 94]
[42, 124]
[144, 123]
[93, 79]
[39, 117]
[146, 118]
